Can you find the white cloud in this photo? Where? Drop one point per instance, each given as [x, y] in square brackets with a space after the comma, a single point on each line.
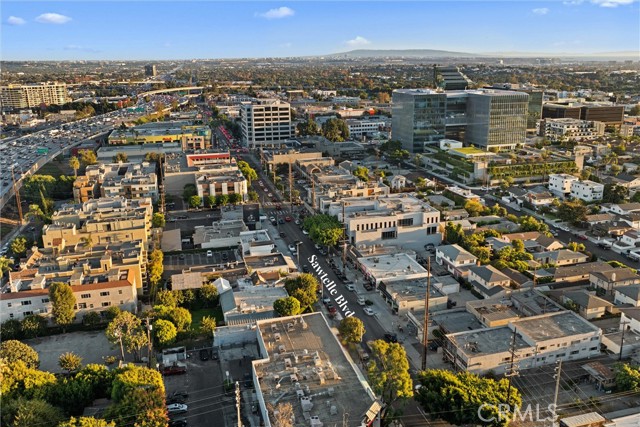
[358, 41]
[612, 3]
[14, 20]
[278, 13]
[541, 11]
[52, 18]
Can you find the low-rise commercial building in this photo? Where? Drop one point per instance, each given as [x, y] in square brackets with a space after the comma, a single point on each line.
[189, 135]
[391, 268]
[408, 295]
[304, 364]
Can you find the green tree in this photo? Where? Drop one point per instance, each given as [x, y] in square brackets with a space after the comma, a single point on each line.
[576, 247]
[181, 318]
[33, 326]
[324, 229]
[308, 128]
[195, 201]
[19, 246]
[92, 319]
[304, 288]
[253, 196]
[10, 330]
[63, 302]
[70, 362]
[351, 330]
[129, 329]
[99, 378]
[572, 211]
[627, 377]
[158, 220]
[120, 158]
[288, 306]
[30, 413]
[87, 422]
[12, 351]
[35, 212]
[222, 199]
[165, 332]
[112, 312]
[614, 193]
[20, 380]
[208, 295]
[155, 270]
[208, 325]
[389, 371]
[474, 208]
[335, 130]
[5, 265]
[88, 157]
[362, 173]
[235, 198]
[456, 397]
[189, 191]
[210, 201]
[74, 164]
[168, 298]
[529, 223]
[249, 173]
[139, 394]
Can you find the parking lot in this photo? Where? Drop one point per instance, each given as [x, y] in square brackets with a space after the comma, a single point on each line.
[225, 258]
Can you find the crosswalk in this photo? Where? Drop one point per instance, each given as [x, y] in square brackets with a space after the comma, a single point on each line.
[281, 213]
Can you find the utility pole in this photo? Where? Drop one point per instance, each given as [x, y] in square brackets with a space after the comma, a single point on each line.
[511, 371]
[344, 240]
[161, 184]
[624, 328]
[149, 344]
[290, 189]
[557, 375]
[425, 330]
[313, 192]
[238, 403]
[17, 194]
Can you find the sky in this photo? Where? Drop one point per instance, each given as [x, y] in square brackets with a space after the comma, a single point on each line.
[206, 29]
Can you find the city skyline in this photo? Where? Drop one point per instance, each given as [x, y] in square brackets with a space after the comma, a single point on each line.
[151, 30]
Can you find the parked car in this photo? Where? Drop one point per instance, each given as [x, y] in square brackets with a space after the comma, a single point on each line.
[326, 300]
[209, 253]
[368, 311]
[368, 286]
[390, 337]
[305, 268]
[177, 408]
[178, 422]
[331, 308]
[204, 354]
[582, 237]
[179, 393]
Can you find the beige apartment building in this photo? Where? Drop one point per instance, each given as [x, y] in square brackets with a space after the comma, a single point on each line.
[100, 278]
[129, 180]
[33, 95]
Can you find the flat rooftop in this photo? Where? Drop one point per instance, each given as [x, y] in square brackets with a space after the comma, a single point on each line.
[411, 290]
[557, 325]
[391, 266]
[458, 320]
[487, 341]
[263, 261]
[308, 368]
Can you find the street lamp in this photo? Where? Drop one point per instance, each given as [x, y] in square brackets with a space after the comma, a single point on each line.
[298, 251]
[118, 334]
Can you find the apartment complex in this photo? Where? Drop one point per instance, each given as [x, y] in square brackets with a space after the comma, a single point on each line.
[266, 122]
[560, 184]
[100, 277]
[190, 136]
[485, 118]
[33, 95]
[100, 222]
[586, 190]
[221, 180]
[360, 128]
[401, 220]
[128, 180]
[570, 129]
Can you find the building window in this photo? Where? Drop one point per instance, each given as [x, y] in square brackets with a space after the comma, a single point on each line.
[26, 302]
[104, 294]
[575, 352]
[593, 348]
[10, 315]
[386, 235]
[82, 306]
[85, 296]
[27, 313]
[45, 300]
[9, 305]
[106, 304]
[120, 292]
[405, 222]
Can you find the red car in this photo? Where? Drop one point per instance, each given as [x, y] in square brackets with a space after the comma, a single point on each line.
[288, 218]
[582, 237]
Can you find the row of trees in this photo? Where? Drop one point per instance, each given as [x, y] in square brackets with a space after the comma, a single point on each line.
[190, 196]
[303, 293]
[31, 397]
[324, 229]
[334, 129]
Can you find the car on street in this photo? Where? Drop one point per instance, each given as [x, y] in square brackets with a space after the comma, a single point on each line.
[305, 232]
[326, 300]
[292, 248]
[305, 268]
[390, 337]
[368, 311]
[272, 218]
[282, 235]
[331, 308]
[323, 251]
[177, 408]
[368, 286]
[288, 218]
[582, 237]
[280, 221]
[351, 288]
[204, 354]
[178, 422]
[317, 246]
[209, 254]
[297, 222]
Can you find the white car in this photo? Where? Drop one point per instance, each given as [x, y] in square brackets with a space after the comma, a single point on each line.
[305, 232]
[177, 408]
[209, 253]
[292, 249]
[368, 311]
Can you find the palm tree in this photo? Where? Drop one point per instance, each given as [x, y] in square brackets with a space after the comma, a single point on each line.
[74, 164]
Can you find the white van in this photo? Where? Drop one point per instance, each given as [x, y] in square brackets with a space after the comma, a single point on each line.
[360, 300]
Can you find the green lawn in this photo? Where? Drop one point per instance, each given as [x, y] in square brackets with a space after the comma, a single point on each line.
[52, 169]
[197, 315]
[469, 150]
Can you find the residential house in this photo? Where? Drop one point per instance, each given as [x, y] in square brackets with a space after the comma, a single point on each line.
[398, 182]
[560, 257]
[488, 280]
[630, 182]
[587, 303]
[627, 295]
[543, 243]
[456, 259]
[609, 280]
[455, 215]
[623, 208]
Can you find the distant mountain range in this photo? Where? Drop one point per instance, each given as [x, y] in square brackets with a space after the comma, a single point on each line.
[431, 53]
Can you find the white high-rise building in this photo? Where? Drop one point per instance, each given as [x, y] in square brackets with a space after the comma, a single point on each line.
[33, 95]
[266, 122]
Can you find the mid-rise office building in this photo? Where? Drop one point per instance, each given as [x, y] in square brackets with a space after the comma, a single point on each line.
[578, 130]
[33, 95]
[611, 115]
[150, 70]
[266, 122]
[487, 118]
